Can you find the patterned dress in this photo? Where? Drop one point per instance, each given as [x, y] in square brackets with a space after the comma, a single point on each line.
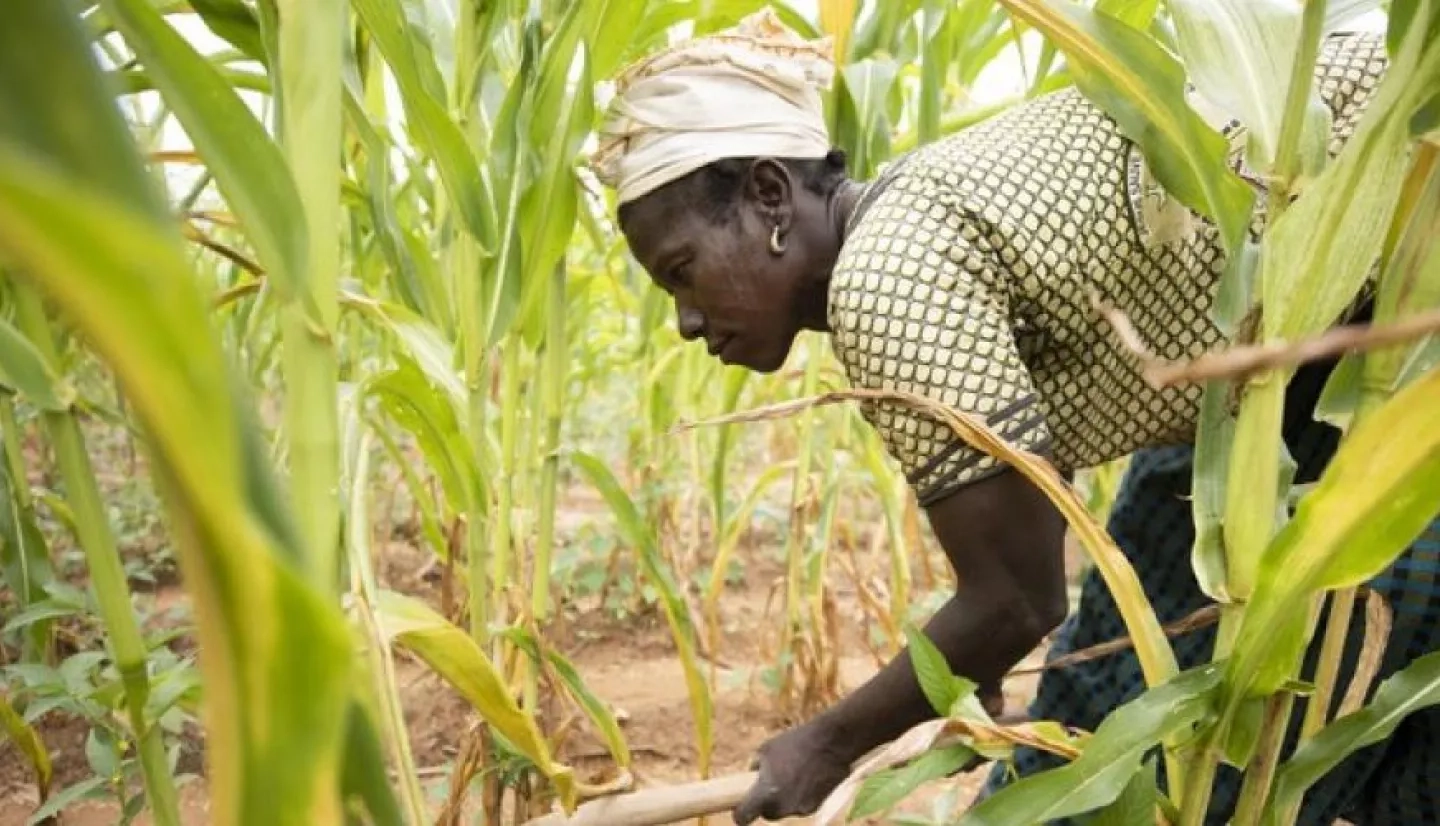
[969, 276]
[971, 267]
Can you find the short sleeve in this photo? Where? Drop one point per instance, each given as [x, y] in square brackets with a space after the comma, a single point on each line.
[915, 306]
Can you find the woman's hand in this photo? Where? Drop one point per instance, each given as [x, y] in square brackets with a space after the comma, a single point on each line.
[798, 770]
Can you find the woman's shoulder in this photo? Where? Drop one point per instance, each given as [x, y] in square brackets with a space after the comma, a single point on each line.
[994, 161]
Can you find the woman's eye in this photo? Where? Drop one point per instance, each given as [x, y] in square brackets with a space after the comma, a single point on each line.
[680, 277]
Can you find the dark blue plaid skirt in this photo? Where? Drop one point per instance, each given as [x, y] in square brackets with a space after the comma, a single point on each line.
[1393, 783]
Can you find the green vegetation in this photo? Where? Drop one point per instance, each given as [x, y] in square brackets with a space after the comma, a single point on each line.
[383, 282]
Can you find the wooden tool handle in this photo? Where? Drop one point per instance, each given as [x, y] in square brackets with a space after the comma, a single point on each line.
[655, 807]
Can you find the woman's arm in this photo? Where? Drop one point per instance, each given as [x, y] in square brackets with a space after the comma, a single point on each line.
[1005, 542]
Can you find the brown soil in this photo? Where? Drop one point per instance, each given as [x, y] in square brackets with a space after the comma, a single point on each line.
[629, 664]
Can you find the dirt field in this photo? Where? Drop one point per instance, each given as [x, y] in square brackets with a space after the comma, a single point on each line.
[629, 664]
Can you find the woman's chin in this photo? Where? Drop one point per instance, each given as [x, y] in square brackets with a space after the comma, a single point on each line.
[757, 362]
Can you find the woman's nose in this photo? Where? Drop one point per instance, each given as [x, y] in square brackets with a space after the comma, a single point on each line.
[690, 323]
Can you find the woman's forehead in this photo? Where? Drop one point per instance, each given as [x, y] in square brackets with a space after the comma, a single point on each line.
[659, 224]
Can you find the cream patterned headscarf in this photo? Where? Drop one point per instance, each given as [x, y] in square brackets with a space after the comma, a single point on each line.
[750, 91]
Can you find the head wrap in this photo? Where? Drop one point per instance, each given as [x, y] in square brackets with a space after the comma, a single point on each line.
[750, 91]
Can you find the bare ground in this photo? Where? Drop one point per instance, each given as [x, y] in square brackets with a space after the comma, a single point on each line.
[630, 664]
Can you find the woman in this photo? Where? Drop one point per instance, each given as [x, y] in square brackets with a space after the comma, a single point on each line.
[965, 272]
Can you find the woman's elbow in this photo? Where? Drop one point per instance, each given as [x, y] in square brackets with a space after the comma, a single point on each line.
[1050, 611]
[1038, 613]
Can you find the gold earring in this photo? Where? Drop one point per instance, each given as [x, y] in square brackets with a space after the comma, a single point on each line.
[776, 246]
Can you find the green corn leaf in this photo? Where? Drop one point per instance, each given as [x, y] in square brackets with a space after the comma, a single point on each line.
[612, 28]
[364, 783]
[22, 368]
[1415, 687]
[407, 273]
[1405, 16]
[599, 714]
[1242, 736]
[942, 688]
[114, 267]
[1253, 507]
[248, 167]
[559, 49]
[1342, 392]
[736, 525]
[1321, 251]
[1139, 84]
[883, 790]
[677, 612]
[570, 679]
[1376, 496]
[40, 612]
[1215, 432]
[709, 16]
[1103, 771]
[24, 552]
[135, 81]
[934, 67]
[862, 127]
[1137, 14]
[1422, 360]
[454, 656]
[422, 91]
[982, 31]
[548, 209]
[412, 402]
[734, 382]
[420, 493]
[236, 23]
[511, 166]
[1135, 806]
[1240, 55]
[43, 97]
[837, 19]
[879, 31]
[29, 744]
[91, 788]
[1410, 282]
[422, 342]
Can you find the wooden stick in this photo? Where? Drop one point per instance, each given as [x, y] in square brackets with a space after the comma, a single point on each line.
[1245, 360]
[655, 807]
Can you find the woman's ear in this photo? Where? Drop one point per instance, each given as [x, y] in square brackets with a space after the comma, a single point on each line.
[770, 191]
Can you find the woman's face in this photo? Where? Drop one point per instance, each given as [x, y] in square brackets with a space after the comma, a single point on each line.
[747, 302]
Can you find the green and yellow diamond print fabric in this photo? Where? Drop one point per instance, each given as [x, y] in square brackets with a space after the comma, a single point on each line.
[969, 271]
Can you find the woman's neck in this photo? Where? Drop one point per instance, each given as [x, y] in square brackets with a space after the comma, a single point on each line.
[840, 206]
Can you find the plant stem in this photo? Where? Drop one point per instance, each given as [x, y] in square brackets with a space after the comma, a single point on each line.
[1297, 97]
[1251, 495]
[795, 543]
[465, 266]
[553, 377]
[37, 639]
[501, 541]
[107, 571]
[382, 665]
[310, 39]
[1378, 374]
[933, 63]
[1200, 777]
[1260, 774]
